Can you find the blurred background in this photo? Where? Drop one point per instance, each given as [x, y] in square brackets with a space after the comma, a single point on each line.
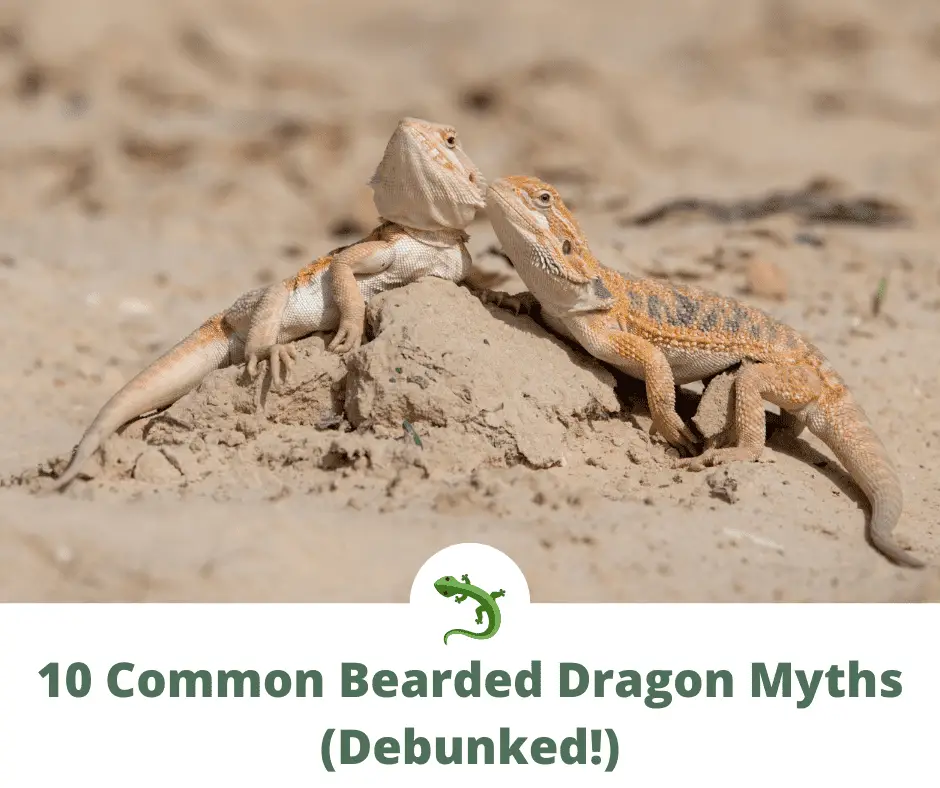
[263, 120]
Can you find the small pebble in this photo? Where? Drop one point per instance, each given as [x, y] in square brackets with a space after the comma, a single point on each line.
[765, 279]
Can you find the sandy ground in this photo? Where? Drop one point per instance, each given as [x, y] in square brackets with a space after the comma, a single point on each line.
[160, 158]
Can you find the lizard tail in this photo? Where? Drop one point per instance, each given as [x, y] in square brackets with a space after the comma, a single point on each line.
[175, 373]
[468, 633]
[846, 430]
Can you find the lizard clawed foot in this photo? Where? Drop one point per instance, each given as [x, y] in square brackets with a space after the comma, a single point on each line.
[722, 441]
[348, 337]
[521, 303]
[713, 457]
[676, 433]
[280, 359]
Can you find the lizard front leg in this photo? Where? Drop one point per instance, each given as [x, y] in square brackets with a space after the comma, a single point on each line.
[791, 388]
[524, 303]
[465, 579]
[368, 257]
[630, 354]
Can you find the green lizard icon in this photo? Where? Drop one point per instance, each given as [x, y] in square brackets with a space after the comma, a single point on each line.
[461, 590]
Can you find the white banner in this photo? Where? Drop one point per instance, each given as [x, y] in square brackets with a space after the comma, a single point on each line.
[291, 695]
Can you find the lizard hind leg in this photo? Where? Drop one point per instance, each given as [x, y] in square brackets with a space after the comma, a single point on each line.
[791, 388]
[498, 594]
[256, 315]
[480, 612]
[791, 424]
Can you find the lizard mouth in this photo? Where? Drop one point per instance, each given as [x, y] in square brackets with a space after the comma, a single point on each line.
[479, 185]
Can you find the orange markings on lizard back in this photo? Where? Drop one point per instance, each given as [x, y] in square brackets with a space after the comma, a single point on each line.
[686, 316]
[680, 316]
[213, 329]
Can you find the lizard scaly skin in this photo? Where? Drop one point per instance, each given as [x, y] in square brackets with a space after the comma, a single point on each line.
[463, 589]
[667, 334]
[426, 190]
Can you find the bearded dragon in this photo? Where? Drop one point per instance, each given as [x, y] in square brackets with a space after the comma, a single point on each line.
[667, 334]
[426, 190]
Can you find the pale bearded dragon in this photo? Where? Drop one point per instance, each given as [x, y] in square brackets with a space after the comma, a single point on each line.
[426, 190]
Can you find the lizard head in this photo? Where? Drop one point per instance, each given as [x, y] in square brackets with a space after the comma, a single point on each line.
[425, 178]
[446, 586]
[546, 245]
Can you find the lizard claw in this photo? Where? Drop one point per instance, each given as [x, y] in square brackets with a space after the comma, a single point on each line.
[251, 366]
[348, 337]
[280, 359]
[713, 457]
[676, 433]
[280, 355]
[521, 303]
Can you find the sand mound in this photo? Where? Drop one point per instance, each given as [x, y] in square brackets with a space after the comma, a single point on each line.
[444, 382]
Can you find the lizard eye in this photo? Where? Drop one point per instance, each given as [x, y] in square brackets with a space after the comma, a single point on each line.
[566, 246]
[451, 140]
[545, 198]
